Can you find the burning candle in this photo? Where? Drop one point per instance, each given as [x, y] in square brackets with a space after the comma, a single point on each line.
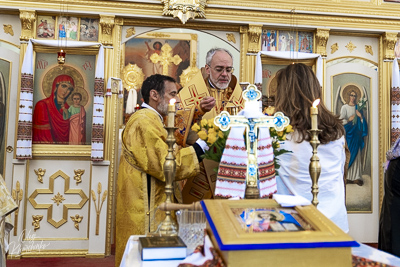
[314, 115]
[137, 107]
[171, 113]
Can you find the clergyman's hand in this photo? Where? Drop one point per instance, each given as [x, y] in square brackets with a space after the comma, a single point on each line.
[207, 103]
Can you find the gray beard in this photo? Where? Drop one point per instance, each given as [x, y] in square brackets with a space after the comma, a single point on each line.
[163, 108]
[215, 85]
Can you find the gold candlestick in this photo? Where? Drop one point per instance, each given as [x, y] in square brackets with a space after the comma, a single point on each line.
[168, 227]
[315, 166]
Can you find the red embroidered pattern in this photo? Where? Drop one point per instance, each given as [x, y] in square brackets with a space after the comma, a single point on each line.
[26, 83]
[231, 173]
[264, 147]
[395, 96]
[98, 86]
[97, 133]
[24, 130]
[235, 147]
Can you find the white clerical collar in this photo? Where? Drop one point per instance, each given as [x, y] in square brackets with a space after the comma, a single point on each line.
[211, 84]
[144, 105]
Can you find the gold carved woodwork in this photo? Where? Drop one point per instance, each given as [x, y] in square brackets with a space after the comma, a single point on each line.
[40, 173]
[350, 46]
[231, 38]
[254, 34]
[368, 49]
[389, 43]
[50, 190]
[184, 9]
[107, 24]
[165, 58]
[132, 77]
[8, 29]
[36, 221]
[159, 35]
[98, 206]
[78, 176]
[322, 36]
[334, 48]
[58, 199]
[129, 32]
[28, 18]
[17, 195]
[193, 37]
[190, 72]
[76, 219]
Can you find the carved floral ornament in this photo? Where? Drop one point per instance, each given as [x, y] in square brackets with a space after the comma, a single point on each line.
[184, 9]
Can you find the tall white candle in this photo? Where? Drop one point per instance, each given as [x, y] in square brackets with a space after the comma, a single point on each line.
[314, 115]
[171, 113]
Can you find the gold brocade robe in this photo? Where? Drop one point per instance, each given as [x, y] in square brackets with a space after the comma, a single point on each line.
[144, 152]
[195, 90]
[7, 206]
[202, 186]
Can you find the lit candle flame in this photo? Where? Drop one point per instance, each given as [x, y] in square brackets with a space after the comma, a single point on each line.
[316, 103]
[172, 101]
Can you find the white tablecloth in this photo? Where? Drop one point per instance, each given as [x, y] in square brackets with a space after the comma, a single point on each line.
[131, 256]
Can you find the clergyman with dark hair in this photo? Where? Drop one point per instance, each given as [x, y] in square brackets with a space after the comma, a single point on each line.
[141, 181]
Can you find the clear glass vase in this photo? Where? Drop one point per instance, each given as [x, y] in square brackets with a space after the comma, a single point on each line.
[191, 227]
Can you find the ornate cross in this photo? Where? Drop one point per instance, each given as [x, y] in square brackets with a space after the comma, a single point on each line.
[165, 58]
[224, 121]
[58, 199]
[195, 96]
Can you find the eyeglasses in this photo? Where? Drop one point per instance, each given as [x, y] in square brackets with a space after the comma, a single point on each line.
[221, 69]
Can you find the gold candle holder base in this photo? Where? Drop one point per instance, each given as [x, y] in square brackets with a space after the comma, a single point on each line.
[252, 192]
[169, 227]
[315, 166]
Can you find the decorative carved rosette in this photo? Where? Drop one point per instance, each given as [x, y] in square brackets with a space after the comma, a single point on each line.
[231, 38]
[132, 77]
[8, 29]
[129, 32]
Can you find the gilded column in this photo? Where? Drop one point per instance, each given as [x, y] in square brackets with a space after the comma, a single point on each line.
[111, 39]
[107, 24]
[388, 43]
[321, 40]
[250, 44]
[243, 52]
[28, 18]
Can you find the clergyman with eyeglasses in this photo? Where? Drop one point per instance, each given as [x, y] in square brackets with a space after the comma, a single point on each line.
[206, 95]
